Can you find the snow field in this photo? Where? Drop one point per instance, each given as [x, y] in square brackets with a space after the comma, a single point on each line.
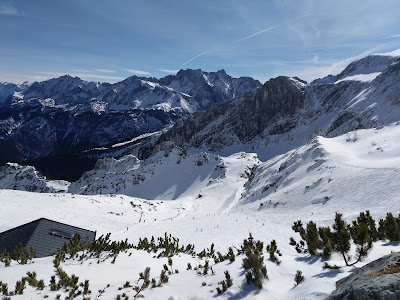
[349, 170]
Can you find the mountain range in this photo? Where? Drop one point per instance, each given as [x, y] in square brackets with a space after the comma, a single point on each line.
[62, 121]
[210, 160]
[67, 115]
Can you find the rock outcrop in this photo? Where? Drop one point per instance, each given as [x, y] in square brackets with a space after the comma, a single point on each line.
[378, 280]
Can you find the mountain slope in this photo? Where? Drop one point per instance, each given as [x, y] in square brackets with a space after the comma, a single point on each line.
[286, 113]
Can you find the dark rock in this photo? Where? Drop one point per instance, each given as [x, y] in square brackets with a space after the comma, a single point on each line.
[378, 280]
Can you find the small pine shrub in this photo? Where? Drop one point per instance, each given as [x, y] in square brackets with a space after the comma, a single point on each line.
[331, 267]
[40, 284]
[206, 267]
[170, 263]
[299, 278]
[145, 276]
[86, 290]
[231, 255]
[4, 288]
[20, 286]
[272, 249]
[225, 284]
[163, 277]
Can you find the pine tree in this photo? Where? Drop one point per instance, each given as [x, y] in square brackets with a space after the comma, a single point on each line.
[392, 228]
[312, 238]
[341, 237]
[326, 241]
[363, 232]
[254, 262]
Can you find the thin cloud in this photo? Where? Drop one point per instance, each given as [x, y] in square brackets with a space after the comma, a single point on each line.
[82, 75]
[88, 76]
[193, 58]
[311, 71]
[137, 72]
[257, 33]
[8, 9]
[169, 71]
[105, 71]
[393, 36]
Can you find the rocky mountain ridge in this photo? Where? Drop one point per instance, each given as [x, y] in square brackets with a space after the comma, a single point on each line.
[67, 114]
[286, 113]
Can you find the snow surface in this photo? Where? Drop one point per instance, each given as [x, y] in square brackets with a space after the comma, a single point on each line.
[220, 201]
[361, 77]
[392, 53]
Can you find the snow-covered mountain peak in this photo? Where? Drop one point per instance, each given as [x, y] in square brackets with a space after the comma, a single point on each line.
[364, 69]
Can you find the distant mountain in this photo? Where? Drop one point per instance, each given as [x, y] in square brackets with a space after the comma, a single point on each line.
[366, 67]
[67, 114]
[286, 113]
[208, 88]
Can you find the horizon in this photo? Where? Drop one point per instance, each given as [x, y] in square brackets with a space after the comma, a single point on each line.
[107, 42]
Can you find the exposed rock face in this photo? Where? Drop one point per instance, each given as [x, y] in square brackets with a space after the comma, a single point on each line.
[378, 280]
[208, 88]
[240, 120]
[26, 178]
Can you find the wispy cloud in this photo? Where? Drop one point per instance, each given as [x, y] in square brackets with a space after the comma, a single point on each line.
[105, 71]
[82, 71]
[313, 68]
[169, 71]
[137, 72]
[8, 9]
[393, 36]
[82, 75]
[193, 58]
[257, 33]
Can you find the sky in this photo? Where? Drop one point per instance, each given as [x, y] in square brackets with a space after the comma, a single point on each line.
[108, 41]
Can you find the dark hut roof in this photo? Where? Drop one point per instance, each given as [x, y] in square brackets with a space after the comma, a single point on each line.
[43, 235]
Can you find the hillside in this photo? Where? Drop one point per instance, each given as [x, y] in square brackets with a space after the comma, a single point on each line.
[354, 172]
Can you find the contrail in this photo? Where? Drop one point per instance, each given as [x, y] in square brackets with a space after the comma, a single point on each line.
[245, 38]
[193, 58]
[257, 33]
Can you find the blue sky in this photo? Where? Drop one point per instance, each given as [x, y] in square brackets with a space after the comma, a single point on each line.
[112, 40]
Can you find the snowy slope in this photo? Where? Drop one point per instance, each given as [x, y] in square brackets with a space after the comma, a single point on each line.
[169, 175]
[357, 171]
[330, 172]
